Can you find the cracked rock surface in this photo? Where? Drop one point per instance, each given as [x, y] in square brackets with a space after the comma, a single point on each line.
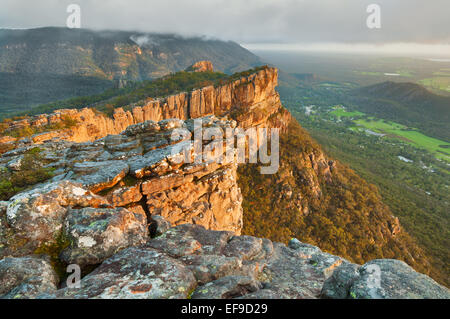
[189, 261]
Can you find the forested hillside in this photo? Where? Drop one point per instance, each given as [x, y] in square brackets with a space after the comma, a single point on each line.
[336, 210]
[411, 175]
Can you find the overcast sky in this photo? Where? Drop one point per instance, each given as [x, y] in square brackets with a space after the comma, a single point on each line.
[248, 21]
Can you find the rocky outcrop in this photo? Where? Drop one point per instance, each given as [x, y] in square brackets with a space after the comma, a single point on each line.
[201, 66]
[103, 192]
[189, 261]
[35, 217]
[382, 279]
[98, 233]
[130, 157]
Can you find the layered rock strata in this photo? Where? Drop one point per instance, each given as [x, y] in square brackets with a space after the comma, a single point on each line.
[252, 100]
[114, 184]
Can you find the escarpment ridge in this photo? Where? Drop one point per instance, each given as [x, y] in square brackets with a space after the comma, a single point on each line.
[119, 200]
[251, 100]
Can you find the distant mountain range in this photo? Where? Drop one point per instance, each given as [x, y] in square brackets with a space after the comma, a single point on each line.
[47, 64]
[409, 104]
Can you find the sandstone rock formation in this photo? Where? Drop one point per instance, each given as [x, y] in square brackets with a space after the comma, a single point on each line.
[26, 277]
[201, 66]
[139, 173]
[255, 92]
[130, 159]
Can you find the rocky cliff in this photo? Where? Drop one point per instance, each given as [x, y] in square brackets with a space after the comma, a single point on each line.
[119, 184]
[142, 172]
[252, 100]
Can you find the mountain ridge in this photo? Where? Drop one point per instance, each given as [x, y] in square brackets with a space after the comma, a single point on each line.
[58, 63]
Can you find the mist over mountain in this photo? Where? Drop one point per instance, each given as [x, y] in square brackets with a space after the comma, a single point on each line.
[58, 63]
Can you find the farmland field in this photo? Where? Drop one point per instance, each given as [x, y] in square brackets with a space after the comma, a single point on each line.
[438, 83]
[343, 113]
[439, 148]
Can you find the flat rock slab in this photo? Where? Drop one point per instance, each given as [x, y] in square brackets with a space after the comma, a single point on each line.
[135, 273]
[97, 176]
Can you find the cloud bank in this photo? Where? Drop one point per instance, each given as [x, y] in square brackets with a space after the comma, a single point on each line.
[248, 21]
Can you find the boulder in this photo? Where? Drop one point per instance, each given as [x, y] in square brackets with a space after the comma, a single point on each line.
[338, 285]
[37, 215]
[207, 268]
[394, 279]
[227, 288]
[175, 245]
[96, 234]
[289, 274]
[303, 250]
[26, 277]
[187, 239]
[244, 247]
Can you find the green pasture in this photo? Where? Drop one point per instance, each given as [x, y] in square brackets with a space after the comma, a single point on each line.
[439, 148]
[339, 112]
[437, 83]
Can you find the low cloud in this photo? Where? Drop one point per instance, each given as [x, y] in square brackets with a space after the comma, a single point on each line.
[247, 21]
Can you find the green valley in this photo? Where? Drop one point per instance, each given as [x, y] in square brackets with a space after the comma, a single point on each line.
[409, 168]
